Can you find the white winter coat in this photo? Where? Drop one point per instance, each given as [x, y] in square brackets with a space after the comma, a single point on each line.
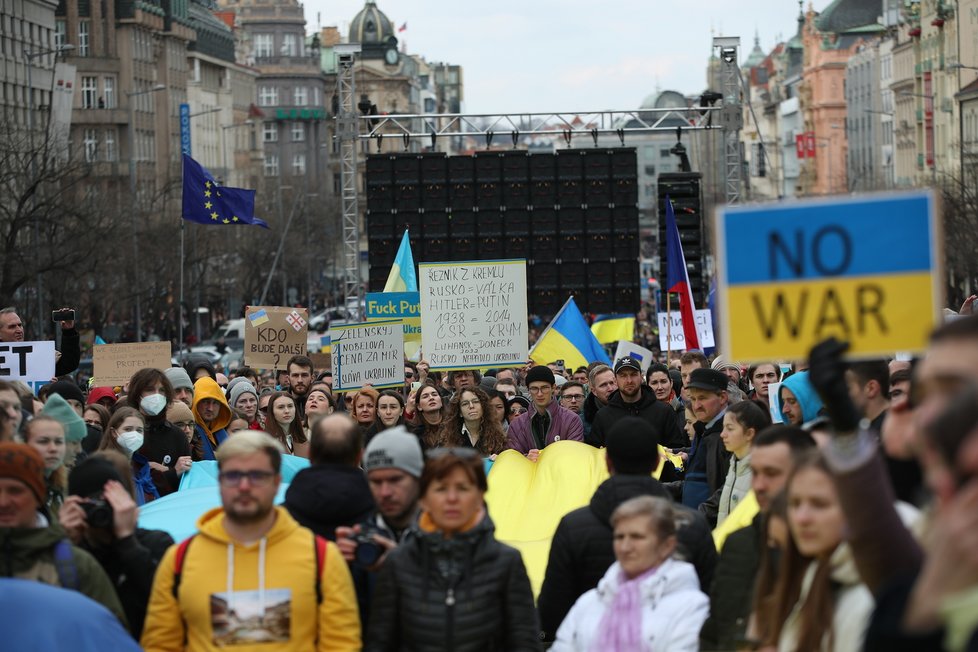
[735, 486]
[853, 607]
[673, 609]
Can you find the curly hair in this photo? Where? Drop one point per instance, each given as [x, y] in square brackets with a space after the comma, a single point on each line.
[492, 439]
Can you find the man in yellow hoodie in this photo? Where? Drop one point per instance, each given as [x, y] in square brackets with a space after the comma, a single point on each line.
[252, 578]
[212, 414]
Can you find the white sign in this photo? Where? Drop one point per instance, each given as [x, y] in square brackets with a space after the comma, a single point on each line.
[370, 353]
[473, 314]
[632, 350]
[27, 361]
[774, 402]
[704, 330]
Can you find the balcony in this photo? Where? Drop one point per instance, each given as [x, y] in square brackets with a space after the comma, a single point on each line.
[99, 116]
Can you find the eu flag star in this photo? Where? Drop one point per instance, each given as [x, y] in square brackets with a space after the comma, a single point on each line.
[234, 218]
[226, 221]
[207, 184]
[207, 193]
[208, 205]
[213, 216]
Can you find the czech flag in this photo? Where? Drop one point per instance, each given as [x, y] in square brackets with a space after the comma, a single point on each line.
[403, 277]
[677, 278]
[568, 338]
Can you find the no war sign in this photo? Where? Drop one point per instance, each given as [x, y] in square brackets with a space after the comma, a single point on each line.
[864, 269]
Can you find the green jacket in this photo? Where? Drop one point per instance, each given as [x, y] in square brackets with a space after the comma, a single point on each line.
[28, 553]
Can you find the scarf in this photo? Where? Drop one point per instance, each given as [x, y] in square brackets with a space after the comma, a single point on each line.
[621, 626]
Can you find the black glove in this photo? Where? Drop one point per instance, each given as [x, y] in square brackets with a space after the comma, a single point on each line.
[827, 373]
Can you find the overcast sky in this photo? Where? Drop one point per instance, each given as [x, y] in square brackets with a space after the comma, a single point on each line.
[569, 55]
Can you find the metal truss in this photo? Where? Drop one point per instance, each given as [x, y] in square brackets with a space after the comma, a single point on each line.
[347, 133]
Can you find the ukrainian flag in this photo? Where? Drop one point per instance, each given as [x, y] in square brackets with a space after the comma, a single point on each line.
[403, 277]
[611, 328]
[568, 338]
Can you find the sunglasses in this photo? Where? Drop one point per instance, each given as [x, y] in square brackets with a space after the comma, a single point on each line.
[409, 374]
[517, 411]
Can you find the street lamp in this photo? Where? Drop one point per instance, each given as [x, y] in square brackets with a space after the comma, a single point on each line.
[132, 195]
[29, 56]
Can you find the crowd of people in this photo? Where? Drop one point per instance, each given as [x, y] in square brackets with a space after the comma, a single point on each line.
[837, 512]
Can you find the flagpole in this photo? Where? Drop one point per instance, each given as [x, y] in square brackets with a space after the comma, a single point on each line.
[550, 325]
[180, 303]
[668, 327]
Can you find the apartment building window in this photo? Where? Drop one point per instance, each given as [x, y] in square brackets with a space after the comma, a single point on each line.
[60, 32]
[83, 31]
[299, 164]
[301, 94]
[89, 89]
[108, 92]
[263, 45]
[289, 45]
[298, 132]
[111, 154]
[268, 96]
[91, 145]
[271, 165]
[270, 132]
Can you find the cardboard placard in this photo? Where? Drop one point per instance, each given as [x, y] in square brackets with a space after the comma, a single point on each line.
[273, 334]
[372, 353]
[321, 361]
[473, 314]
[27, 361]
[114, 364]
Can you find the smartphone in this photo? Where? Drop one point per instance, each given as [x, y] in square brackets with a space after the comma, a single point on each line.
[63, 315]
[415, 385]
[560, 365]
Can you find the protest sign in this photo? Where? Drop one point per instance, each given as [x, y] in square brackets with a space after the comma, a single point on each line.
[774, 402]
[864, 269]
[27, 361]
[114, 364]
[473, 314]
[273, 335]
[632, 350]
[371, 352]
[704, 330]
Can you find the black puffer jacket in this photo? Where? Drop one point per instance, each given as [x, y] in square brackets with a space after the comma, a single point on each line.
[732, 593]
[466, 594]
[649, 409]
[582, 551]
[164, 443]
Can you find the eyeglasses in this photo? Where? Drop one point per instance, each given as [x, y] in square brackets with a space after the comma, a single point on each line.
[442, 451]
[573, 397]
[234, 478]
[468, 403]
[539, 390]
[184, 424]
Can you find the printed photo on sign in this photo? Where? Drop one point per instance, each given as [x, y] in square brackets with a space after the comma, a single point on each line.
[251, 617]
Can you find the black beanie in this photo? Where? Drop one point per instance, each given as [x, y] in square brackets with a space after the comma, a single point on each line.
[633, 446]
[67, 389]
[540, 373]
[89, 476]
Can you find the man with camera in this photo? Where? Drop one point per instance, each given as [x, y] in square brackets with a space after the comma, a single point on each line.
[393, 462]
[100, 517]
[67, 359]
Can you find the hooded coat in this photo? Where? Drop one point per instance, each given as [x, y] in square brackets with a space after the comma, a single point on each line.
[326, 496]
[804, 393]
[28, 553]
[279, 569]
[582, 550]
[467, 593]
[672, 606]
[649, 409]
[210, 435]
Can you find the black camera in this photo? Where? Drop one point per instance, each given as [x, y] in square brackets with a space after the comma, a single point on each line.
[98, 513]
[368, 551]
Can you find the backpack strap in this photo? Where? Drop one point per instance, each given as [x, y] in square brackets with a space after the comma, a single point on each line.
[178, 563]
[320, 545]
[64, 563]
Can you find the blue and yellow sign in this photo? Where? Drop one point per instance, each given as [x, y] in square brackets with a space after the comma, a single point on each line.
[397, 305]
[864, 269]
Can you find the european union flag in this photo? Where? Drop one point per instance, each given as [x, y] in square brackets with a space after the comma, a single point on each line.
[207, 202]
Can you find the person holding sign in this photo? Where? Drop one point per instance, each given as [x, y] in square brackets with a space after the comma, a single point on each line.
[547, 422]
[472, 423]
[67, 359]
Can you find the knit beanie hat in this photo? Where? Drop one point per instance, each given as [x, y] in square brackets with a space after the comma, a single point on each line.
[179, 377]
[540, 373]
[58, 409]
[394, 448]
[67, 389]
[89, 476]
[236, 381]
[240, 389]
[633, 446]
[97, 394]
[179, 411]
[21, 462]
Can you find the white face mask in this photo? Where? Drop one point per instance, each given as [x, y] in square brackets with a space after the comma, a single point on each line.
[131, 440]
[153, 404]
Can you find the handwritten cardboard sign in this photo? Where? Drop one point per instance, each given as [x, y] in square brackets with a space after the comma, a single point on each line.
[274, 334]
[114, 364]
[372, 353]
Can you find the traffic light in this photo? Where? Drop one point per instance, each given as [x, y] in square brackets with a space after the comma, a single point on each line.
[685, 191]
